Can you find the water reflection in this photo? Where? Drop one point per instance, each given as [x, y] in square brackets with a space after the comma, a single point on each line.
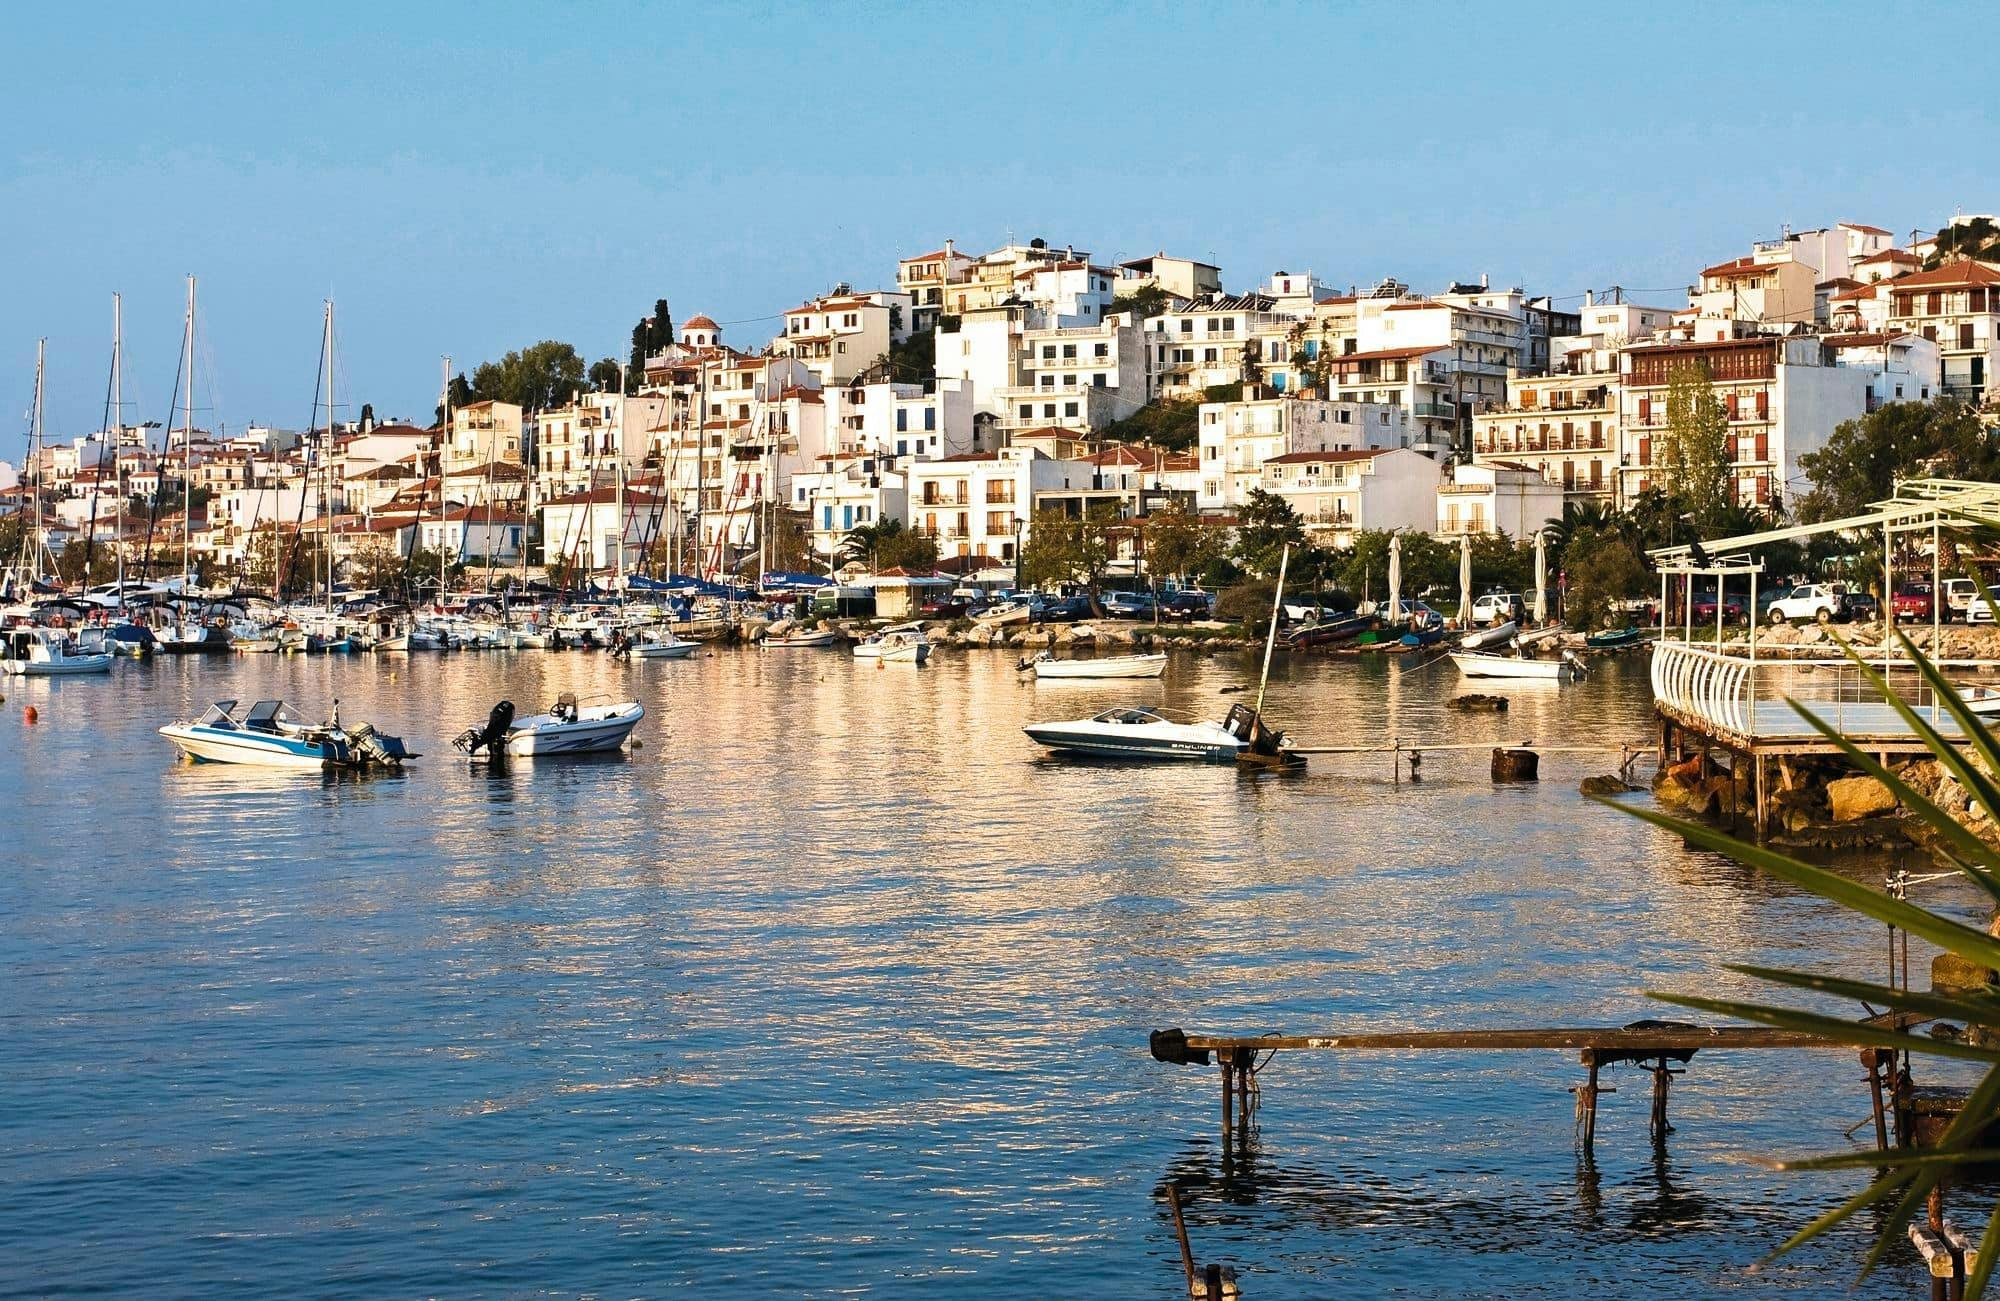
[836, 983]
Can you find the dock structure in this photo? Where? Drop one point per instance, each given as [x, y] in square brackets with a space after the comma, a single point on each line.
[1724, 698]
[1659, 1046]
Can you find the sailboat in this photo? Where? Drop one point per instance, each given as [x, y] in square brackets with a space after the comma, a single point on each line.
[189, 632]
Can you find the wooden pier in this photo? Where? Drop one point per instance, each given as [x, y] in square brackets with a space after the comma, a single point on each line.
[1658, 1045]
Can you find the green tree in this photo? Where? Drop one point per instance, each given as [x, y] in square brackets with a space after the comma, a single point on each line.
[376, 565]
[420, 570]
[1978, 238]
[888, 544]
[1265, 526]
[79, 563]
[1173, 424]
[790, 544]
[460, 392]
[1063, 548]
[1426, 562]
[1177, 543]
[1693, 455]
[1603, 569]
[533, 378]
[649, 336]
[300, 560]
[1864, 458]
[1141, 303]
[604, 375]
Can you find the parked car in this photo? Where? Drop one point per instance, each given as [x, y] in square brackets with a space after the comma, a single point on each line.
[1912, 601]
[1186, 604]
[1959, 594]
[1860, 607]
[1127, 605]
[1060, 609]
[1496, 607]
[1814, 601]
[946, 607]
[1705, 608]
[1979, 611]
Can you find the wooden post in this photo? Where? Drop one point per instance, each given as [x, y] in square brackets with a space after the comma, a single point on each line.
[1212, 1283]
[1872, 1059]
[1661, 1076]
[1586, 1101]
[1228, 1100]
[1180, 1233]
[1763, 810]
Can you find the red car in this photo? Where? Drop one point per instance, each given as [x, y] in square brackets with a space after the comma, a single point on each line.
[1912, 601]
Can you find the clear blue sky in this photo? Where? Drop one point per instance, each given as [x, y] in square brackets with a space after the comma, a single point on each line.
[467, 179]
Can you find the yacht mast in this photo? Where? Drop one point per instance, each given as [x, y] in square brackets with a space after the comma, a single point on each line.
[187, 444]
[118, 437]
[444, 436]
[618, 471]
[325, 464]
[36, 540]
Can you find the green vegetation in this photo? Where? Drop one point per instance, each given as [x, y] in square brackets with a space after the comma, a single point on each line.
[1141, 303]
[1064, 548]
[913, 361]
[534, 378]
[1177, 543]
[1902, 1178]
[1864, 458]
[1693, 454]
[649, 336]
[888, 544]
[604, 375]
[1978, 238]
[1171, 423]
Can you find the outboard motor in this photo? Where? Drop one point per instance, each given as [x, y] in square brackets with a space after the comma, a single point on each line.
[370, 745]
[474, 739]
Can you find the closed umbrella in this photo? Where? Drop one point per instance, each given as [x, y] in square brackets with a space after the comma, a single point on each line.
[1541, 579]
[1465, 580]
[1395, 578]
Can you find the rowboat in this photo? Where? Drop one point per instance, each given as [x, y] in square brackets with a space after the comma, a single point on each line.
[1328, 631]
[1983, 701]
[1498, 635]
[1046, 665]
[1614, 640]
[794, 640]
[1473, 664]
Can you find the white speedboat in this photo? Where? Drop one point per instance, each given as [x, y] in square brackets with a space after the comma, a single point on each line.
[1047, 665]
[269, 735]
[794, 640]
[566, 729]
[903, 644]
[1498, 635]
[1476, 665]
[1134, 733]
[48, 653]
[1006, 613]
[659, 645]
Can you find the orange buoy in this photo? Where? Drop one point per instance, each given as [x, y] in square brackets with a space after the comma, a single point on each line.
[30, 715]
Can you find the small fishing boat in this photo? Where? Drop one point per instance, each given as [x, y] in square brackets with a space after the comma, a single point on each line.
[1419, 637]
[1046, 665]
[567, 728]
[904, 643]
[1473, 664]
[1498, 635]
[1615, 640]
[1524, 640]
[48, 653]
[658, 645]
[1005, 613]
[1326, 632]
[1983, 701]
[795, 640]
[270, 735]
[1137, 733]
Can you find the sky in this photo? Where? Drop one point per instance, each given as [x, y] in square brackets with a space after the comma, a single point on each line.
[466, 179]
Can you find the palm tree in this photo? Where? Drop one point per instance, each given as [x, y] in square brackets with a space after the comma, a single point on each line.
[864, 541]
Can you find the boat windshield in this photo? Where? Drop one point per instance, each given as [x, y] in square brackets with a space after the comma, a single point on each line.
[268, 716]
[1128, 716]
[219, 714]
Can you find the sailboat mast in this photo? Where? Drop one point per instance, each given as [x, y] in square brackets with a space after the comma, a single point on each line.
[35, 457]
[444, 435]
[118, 434]
[325, 462]
[187, 444]
[618, 470]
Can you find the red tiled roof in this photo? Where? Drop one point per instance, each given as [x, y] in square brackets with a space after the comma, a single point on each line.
[1860, 340]
[1391, 354]
[1300, 458]
[1871, 230]
[699, 322]
[1743, 266]
[1891, 255]
[606, 496]
[1952, 275]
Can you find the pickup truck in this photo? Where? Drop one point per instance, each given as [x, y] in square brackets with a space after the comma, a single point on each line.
[1912, 601]
[1813, 601]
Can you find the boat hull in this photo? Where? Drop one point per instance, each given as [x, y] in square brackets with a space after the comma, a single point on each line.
[213, 745]
[1150, 749]
[1505, 666]
[1113, 666]
[73, 666]
[541, 736]
[675, 651]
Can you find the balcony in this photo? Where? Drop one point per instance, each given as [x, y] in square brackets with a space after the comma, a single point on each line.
[1433, 411]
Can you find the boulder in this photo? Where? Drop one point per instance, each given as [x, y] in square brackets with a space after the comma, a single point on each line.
[1955, 975]
[1478, 704]
[1854, 798]
[1606, 785]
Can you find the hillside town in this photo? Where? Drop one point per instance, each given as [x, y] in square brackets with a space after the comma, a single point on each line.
[980, 395]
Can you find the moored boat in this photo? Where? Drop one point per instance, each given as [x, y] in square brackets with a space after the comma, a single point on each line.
[567, 728]
[903, 643]
[269, 735]
[1615, 639]
[1473, 664]
[795, 640]
[1139, 733]
[48, 653]
[1046, 665]
[1497, 635]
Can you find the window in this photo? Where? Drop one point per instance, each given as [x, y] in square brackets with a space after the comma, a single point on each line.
[1069, 352]
[902, 419]
[1049, 411]
[1069, 409]
[1098, 381]
[1027, 412]
[1102, 350]
[930, 418]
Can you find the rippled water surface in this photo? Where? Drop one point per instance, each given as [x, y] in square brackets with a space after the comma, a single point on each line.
[834, 986]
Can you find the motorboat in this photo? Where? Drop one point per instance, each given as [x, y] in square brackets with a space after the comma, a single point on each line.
[904, 643]
[132, 640]
[567, 728]
[1008, 612]
[1616, 639]
[1327, 631]
[48, 653]
[794, 640]
[270, 735]
[1474, 664]
[1498, 635]
[1132, 732]
[1046, 665]
[657, 645]
[191, 637]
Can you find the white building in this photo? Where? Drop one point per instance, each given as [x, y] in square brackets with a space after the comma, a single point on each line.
[841, 334]
[1078, 377]
[1236, 439]
[981, 504]
[1339, 493]
[1497, 497]
[1179, 276]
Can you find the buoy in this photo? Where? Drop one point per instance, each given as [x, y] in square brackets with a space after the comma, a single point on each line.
[31, 715]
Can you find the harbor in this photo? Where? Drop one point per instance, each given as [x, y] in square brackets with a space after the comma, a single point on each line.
[559, 1011]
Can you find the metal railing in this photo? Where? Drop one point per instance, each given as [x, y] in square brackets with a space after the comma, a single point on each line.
[1747, 697]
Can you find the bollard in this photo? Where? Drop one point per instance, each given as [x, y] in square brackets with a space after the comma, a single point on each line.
[1515, 765]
